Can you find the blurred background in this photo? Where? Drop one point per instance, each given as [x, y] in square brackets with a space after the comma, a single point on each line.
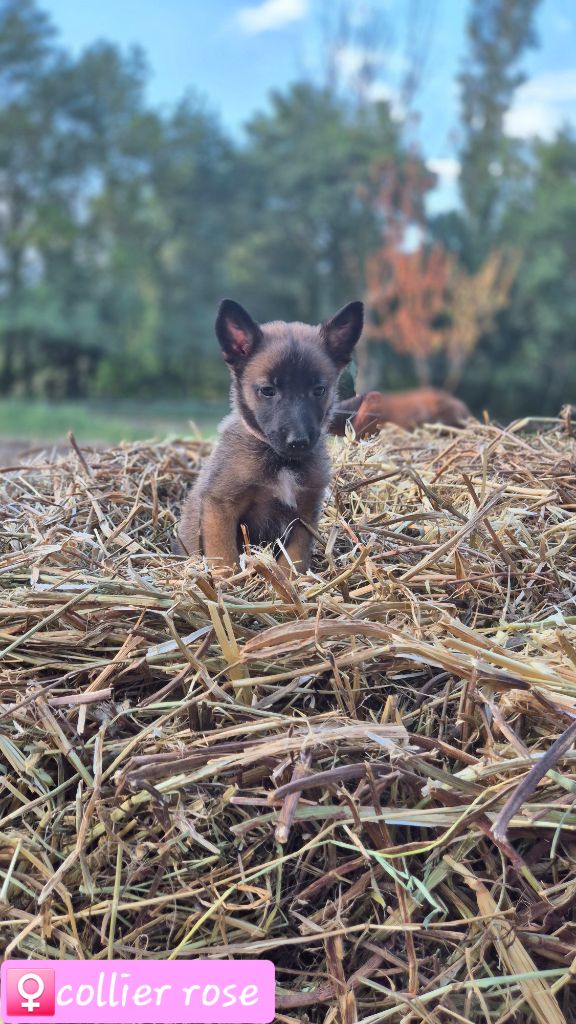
[293, 155]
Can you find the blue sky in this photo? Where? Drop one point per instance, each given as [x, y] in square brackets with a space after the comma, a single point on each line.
[233, 52]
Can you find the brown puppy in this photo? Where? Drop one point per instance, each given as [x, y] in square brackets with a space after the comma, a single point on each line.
[270, 468]
[369, 412]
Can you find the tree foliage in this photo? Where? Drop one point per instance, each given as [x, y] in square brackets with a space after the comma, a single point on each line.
[122, 226]
[499, 31]
[311, 174]
[518, 197]
[408, 294]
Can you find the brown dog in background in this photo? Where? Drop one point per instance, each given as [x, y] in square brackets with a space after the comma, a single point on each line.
[270, 468]
[369, 412]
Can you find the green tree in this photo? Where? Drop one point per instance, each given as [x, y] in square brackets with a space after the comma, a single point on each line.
[308, 185]
[29, 62]
[527, 365]
[114, 221]
[107, 278]
[68, 137]
[193, 183]
[499, 31]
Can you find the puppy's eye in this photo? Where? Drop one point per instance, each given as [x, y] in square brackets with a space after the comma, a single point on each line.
[267, 391]
[318, 391]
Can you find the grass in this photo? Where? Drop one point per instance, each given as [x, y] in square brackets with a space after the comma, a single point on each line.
[109, 421]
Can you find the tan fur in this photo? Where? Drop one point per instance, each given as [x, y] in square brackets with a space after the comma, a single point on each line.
[369, 412]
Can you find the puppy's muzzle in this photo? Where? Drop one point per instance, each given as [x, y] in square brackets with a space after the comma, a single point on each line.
[298, 443]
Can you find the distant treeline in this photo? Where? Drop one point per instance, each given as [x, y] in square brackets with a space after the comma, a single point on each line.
[121, 227]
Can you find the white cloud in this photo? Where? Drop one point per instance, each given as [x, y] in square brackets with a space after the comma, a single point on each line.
[446, 167]
[360, 67]
[552, 86]
[271, 14]
[542, 105]
[444, 196]
[526, 120]
[413, 238]
[351, 60]
[380, 92]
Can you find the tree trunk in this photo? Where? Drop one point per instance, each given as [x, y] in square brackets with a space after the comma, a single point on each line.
[14, 258]
[7, 375]
[26, 342]
[367, 375]
[456, 363]
[422, 367]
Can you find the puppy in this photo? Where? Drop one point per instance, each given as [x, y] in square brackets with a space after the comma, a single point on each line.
[269, 469]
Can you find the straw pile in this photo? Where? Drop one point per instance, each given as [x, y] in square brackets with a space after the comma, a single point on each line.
[366, 775]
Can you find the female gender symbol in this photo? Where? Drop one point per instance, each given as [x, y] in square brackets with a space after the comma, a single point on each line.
[29, 998]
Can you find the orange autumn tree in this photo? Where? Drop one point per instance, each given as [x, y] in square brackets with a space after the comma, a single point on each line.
[397, 311]
[474, 301]
[406, 294]
[420, 300]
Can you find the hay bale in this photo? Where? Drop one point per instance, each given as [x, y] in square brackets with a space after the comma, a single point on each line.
[343, 773]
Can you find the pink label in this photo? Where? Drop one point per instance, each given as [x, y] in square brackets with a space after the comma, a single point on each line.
[137, 991]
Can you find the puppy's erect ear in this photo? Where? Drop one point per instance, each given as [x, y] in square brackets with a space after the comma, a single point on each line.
[341, 333]
[236, 331]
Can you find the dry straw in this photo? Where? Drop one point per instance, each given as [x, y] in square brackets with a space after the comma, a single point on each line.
[367, 774]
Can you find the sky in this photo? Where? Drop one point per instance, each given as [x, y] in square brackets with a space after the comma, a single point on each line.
[233, 52]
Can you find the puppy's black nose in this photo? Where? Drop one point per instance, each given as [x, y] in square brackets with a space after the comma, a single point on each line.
[298, 444]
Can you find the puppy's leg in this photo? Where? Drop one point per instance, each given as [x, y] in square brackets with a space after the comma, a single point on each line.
[187, 539]
[178, 547]
[299, 546]
[219, 525]
[299, 550]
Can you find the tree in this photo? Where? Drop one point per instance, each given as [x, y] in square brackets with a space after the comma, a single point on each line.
[307, 184]
[407, 294]
[29, 61]
[526, 364]
[405, 286]
[194, 184]
[66, 139]
[499, 31]
[427, 306]
[121, 226]
[113, 220]
[97, 279]
[474, 300]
